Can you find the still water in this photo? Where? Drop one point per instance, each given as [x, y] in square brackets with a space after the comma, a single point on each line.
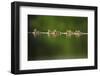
[61, 47]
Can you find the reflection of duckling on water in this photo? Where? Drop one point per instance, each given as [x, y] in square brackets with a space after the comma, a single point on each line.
[69, 33]
[35, 33]
[54, 33]
[49, 33]
[63, 33]
[77, 33]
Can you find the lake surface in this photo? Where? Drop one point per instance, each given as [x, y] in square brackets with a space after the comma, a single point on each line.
[62, 47]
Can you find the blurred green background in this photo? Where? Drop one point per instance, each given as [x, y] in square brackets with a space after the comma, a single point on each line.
[61, 47]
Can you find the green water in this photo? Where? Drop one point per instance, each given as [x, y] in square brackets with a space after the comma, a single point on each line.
[61, 47]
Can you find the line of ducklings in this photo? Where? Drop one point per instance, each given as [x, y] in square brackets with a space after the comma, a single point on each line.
[56, 33]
